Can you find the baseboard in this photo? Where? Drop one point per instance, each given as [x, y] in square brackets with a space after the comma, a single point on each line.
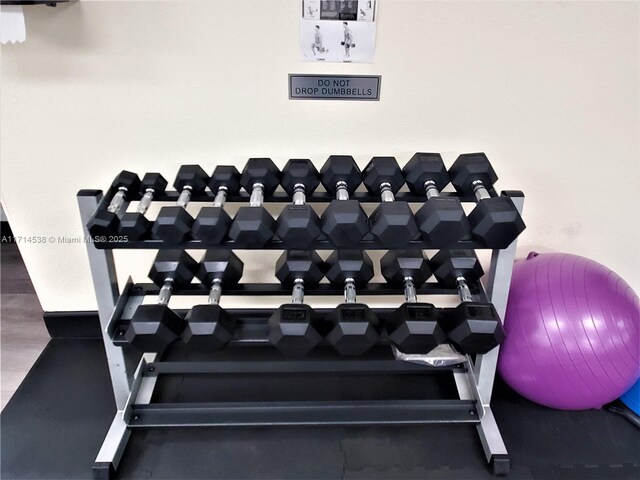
[73, 324]
[6, 235]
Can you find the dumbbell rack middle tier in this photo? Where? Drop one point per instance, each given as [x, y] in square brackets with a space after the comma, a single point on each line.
[134, 375]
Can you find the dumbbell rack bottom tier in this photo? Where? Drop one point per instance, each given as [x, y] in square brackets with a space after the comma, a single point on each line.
[251, 323]
[134, 375]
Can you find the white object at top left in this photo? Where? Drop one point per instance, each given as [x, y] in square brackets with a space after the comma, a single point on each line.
[12, 28]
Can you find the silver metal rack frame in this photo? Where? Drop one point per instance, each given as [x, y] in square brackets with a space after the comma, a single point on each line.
[134, 378]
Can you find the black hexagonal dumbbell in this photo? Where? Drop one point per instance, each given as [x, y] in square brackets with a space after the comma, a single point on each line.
[154, 327]
[208, 326]
[134, 225]
[353, 327]
[294, 328]
[392, 222]
[106, 221]
[253, 226]
[212, 223]
[298, 224]
[441, 220]
[495, 220]
[413, 327]
[173, 224]
[472, 327]
[344, 221]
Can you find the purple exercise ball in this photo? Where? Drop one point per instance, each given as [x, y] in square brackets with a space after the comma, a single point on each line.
[572, 332]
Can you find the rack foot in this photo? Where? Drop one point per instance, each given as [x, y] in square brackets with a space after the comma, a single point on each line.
[494, 449]
[500, 465]
[103, 471]
[108, 458]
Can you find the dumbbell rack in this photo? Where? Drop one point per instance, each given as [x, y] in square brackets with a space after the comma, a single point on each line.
[134, 375]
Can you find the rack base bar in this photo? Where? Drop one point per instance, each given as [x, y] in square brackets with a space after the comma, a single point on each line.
[394, 412]
[293, 366]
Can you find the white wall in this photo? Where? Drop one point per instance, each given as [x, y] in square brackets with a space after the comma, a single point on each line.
[548, 90]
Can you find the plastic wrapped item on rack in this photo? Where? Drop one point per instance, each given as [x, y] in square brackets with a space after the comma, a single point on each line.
[443, 355]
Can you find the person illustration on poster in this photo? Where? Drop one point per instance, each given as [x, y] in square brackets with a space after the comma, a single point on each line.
[348, 40]
[328, 30]
[317, 42]
[364, 12]
[311, 11]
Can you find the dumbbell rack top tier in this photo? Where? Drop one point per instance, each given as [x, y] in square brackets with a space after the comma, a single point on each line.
[242, 198]
[134, 374]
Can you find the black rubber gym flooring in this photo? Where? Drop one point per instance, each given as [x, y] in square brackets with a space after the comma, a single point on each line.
[54, 425]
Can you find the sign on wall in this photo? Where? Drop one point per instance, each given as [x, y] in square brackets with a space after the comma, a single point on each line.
[338, 30]
[334, 87]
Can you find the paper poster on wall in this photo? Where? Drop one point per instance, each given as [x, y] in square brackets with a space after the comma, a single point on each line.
[338, 30]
